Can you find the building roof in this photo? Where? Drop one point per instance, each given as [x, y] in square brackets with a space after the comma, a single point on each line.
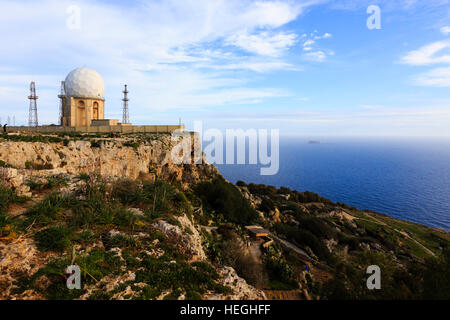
[84, 83]
[257, 229]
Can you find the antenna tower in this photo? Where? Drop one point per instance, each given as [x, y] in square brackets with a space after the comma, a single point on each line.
[126, 115]
[33, 117]
[61, 96]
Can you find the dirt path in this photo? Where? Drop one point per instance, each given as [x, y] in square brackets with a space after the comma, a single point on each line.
[292, 247]
[417, 242]
[18, 209]
[402, 233]
[375, 219]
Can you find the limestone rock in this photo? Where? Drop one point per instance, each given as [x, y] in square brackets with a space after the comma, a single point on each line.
[191, 241]
[113, 158]
[241, 290]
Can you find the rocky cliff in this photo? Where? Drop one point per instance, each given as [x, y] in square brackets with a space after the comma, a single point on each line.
[92, 178]
[131, 157]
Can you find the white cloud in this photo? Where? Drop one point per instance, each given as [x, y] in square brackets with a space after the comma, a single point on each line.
[445, 30]
[388, 5]
[309, 46]
[426, 55]
[308, 43]
[316, 56]
[264, 43]
[258, 66]
[370, 107]
[439, 77]
[160, 48]
[434, 53]
[326, 35]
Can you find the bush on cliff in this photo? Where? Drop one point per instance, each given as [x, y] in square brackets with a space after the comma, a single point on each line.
[47, 211]
[53, 239]
[318, 227]
[308, 197]
[224, 198]
[303, 237]
[7, 197]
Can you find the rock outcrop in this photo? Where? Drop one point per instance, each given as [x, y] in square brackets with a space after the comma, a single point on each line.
[109, 158]
[189, 238]
[241, 290]
[17, 257]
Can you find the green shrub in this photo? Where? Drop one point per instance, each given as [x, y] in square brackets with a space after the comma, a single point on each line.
[129, 192]
[178, 277]
[46, 211]
[132, 144]
[318, 227]
[158, 198]
[161, 195]
[266, 205]
[34, 185]
[308, 197]
[54, 273]
[93, 266]
[53, 239]
[262, 189]
[96, 212]
[53, 182]
[284, 190]
[436, 283]
[351, 241]
[122, 241]
[241, 183]
[7, 196]
[302, 238]
[224, 198]
[281, 274]
[5, 165]
[85, 237]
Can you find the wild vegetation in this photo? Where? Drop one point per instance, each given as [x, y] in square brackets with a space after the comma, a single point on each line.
[129, 239]
[414, 259]
[67, 226]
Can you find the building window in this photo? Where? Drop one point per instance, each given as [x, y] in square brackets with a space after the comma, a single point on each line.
[81, 113]
[95, 111]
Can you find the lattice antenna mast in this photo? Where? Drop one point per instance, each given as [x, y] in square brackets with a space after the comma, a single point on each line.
[61, 104]
[126, 115]
[33, 117]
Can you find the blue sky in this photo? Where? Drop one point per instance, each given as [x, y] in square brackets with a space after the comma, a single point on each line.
[309, 68]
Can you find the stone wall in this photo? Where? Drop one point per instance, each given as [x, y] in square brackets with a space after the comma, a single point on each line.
[96, 129]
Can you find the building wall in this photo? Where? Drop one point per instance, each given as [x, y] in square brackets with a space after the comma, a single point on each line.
[104, 122]
[80, 112]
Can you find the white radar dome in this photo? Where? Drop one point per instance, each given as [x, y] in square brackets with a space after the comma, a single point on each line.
[84, 83]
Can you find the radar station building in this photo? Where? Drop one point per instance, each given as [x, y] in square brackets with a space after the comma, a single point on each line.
[82, 109]
[83, 102]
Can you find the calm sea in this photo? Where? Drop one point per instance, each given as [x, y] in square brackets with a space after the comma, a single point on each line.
[404, 178]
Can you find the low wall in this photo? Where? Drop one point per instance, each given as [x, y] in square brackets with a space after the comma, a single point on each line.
[102, 129]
